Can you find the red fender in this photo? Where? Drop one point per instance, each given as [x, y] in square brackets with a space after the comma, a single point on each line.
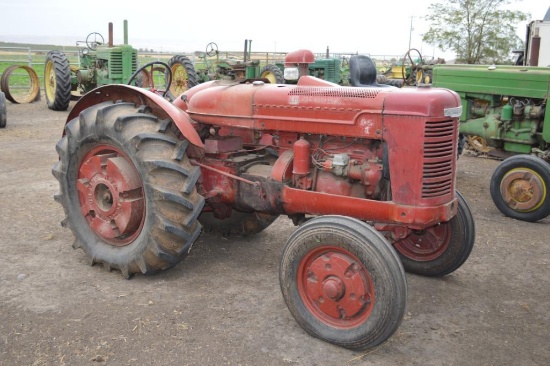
[160, 107]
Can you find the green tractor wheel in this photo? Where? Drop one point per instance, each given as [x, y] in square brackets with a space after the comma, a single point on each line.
[57, 81]
[184, 75]
[273, 74]
[520, 188]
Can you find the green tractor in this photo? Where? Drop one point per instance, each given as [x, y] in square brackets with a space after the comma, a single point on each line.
[102, 64]
[212, 67]
[504, 114]
[332, 69]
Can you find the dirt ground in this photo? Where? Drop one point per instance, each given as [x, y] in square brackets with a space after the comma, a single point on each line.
[223, 306]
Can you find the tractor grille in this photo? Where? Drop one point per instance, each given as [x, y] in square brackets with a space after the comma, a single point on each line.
[439, 158]
[116, 62]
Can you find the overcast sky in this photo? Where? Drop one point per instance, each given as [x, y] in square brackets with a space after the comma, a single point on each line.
[364, 26]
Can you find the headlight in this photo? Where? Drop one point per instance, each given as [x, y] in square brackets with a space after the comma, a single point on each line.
[291, 73]
[84, 51]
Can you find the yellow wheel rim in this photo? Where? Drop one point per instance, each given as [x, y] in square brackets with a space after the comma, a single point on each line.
[269, 76]
[523, 189]
[50, 83]
[179, 80]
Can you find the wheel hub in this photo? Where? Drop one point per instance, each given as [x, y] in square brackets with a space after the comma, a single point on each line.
[333, 288]
[111, 195]
[427, 244]
[337, 288]
[522, 189]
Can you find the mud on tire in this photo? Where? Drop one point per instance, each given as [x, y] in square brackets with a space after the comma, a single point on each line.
[127, 188]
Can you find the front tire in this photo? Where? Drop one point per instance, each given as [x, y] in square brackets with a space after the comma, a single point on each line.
[128, 189]
[343, 283]
[440, 249]
[57, 81]
[520, 188]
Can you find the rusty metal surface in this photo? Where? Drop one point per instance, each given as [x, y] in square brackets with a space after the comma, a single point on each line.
[27, 96]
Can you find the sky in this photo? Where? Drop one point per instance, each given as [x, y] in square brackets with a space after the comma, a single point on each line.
[355, 26]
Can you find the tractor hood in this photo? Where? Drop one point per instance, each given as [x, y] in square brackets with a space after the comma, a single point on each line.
[315, 106]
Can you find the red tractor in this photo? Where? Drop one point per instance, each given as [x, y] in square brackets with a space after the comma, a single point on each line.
[368, 175]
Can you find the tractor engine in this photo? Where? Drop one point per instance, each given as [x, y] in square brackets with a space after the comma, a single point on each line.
[494, 114]
[292, 149]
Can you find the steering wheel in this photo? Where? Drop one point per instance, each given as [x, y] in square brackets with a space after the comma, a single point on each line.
[92, 44]
[146, 77]
[416, 73]
[211, 49]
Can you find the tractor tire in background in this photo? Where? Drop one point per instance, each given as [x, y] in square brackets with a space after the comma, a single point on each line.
[27, 88]
[239, 223]
[520, 188]
[128, 189]
[3, 111]
[184, 76]
[57, 81]
[441, 249]
[273, 74]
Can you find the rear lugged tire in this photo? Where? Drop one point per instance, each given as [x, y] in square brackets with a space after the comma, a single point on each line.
[184, 76]
[343, 283]
[128, 189]
[520, 188]
[239, 223]
[273, 74]
[57, 81]
[3, 111]
[440, 249]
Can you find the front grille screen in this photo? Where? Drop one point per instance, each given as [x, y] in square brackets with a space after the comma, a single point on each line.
[439, 158]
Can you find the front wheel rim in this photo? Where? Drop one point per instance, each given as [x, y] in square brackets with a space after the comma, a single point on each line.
[111, 195]
[427, 244]
[335, 287]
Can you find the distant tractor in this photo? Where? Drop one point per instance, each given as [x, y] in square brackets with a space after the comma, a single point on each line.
[303, 62]
[335, 70]
[102, 64]
[504, 115]
[234, 69]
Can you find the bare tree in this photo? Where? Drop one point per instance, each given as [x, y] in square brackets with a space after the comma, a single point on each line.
[478, 31]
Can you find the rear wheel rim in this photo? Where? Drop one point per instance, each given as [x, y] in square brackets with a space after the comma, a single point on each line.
[335, 287]
[50, 83]
[269, 76]
[523, 190]
[180, 77]
[111, 195]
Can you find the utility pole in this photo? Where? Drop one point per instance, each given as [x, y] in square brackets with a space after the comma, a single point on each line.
[410, 32]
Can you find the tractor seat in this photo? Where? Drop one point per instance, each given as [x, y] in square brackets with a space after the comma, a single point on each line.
[362, 72]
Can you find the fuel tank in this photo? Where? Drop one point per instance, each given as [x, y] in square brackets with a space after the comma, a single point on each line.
[314, 106]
